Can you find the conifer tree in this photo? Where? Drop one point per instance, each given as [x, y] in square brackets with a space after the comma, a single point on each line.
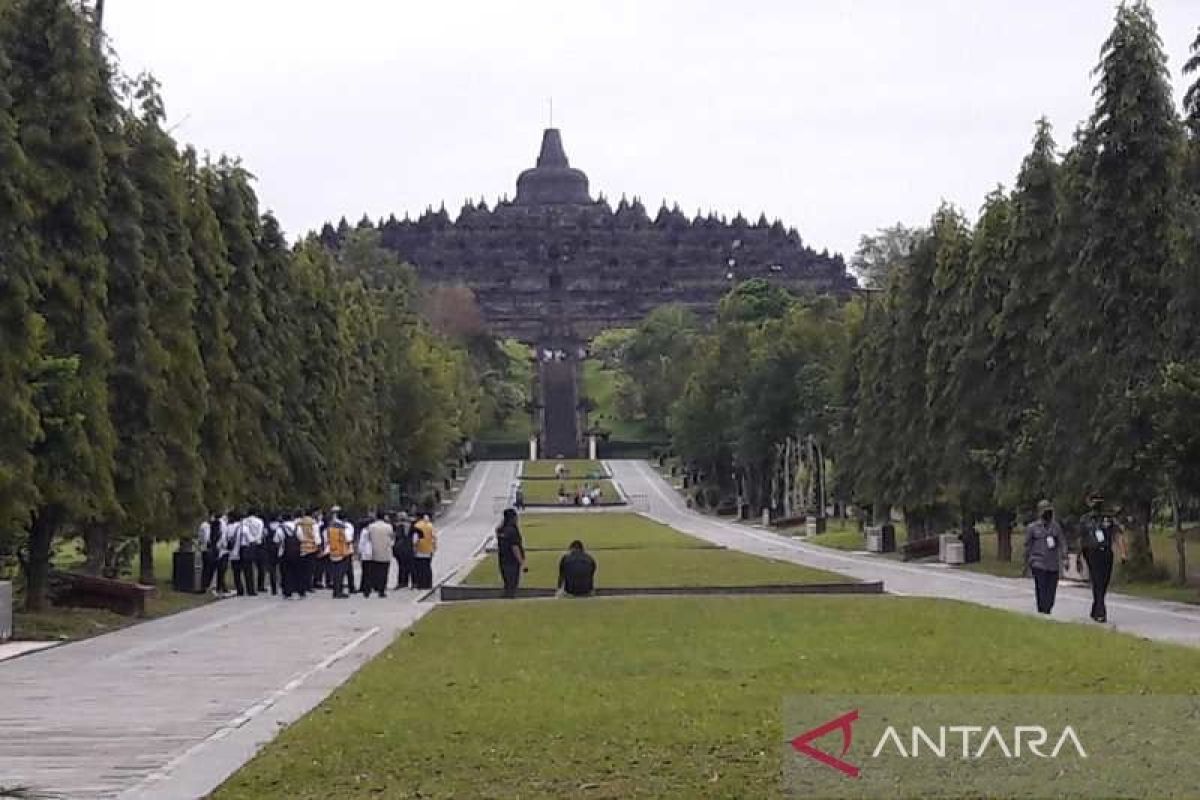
[137, 377]
[237, 210]
[211, 323]
[56, 86]
[20, 328]
[1119, 282]
[157, 173]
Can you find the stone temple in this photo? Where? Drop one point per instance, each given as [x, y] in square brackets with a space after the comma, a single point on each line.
[554, 267]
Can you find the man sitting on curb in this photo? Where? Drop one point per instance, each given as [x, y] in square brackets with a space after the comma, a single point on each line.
[576, 572]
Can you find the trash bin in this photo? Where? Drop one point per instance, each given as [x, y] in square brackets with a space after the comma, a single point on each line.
[6, 610]
[183, 571]
[954, 553]
[889, 538]
[971, 546]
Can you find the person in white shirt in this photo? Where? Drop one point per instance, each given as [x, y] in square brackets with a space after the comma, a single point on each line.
[375, 550]
[255, 532]
[272, 552]
[213, 558]
[241, 554]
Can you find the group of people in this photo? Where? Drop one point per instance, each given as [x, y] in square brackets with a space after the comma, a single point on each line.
[1046, 553]
[585, 495]
[576, 569]
[304, 551]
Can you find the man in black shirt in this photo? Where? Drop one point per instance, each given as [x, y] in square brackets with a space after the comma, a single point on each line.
[510, 549]
[577, 571]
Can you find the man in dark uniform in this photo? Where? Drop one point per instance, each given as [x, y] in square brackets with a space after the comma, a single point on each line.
[510, 549]
[577, 571]
[1101, 538]
[1045, 552]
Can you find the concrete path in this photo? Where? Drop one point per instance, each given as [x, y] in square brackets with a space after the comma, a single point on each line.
[169, 708]
[1152, 619]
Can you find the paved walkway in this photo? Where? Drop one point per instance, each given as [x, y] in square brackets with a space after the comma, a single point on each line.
[169, 708]
[1152, 619]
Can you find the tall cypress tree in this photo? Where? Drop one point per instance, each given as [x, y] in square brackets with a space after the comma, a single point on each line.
[171, 281]
[284, 419]
[20, 327]
[137, 378]
[1023, 331]
[56, 87]
[1119, 283]
[237, 211]
[210, 320]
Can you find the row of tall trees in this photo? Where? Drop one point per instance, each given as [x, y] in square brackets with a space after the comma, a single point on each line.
[166, 354]
[1051, 349]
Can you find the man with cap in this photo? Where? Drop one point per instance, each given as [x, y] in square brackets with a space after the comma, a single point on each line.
[1045, 552]
[339, 547]
[1101, 537]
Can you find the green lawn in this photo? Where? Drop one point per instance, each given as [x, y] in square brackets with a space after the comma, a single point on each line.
[546, 492]
[578, 468]
[600, 385]
[600, 531]
[840, 534]
[80, 623]
[624, 698]
[669, 566]
[631, 550]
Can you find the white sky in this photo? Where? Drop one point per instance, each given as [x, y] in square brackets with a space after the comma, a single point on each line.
[837, 116]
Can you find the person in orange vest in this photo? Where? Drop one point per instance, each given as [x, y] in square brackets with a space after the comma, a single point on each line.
[339, 547]
[424, 546]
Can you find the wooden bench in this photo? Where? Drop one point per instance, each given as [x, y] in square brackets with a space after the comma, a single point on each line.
[919, 548]
[90, 591]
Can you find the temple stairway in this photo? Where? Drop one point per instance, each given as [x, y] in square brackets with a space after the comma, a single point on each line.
[559, 400]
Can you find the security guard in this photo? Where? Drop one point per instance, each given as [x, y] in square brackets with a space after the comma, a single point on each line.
[1101, 537]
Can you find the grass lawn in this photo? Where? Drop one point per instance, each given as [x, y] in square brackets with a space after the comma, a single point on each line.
[600, 385]
[840, 534]
[80, 623]
[546, 492]
[631, 550]
[578, 468]
[621, 699]
[600, 532]
[669, 566]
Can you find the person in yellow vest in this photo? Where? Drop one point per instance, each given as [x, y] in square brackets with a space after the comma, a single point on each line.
[424, 546]
[339, 547]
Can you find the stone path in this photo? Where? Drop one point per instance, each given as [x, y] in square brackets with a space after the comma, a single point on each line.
[1151, 619]
[169, 708]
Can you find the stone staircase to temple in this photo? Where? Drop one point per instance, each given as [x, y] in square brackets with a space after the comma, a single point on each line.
[558, 381]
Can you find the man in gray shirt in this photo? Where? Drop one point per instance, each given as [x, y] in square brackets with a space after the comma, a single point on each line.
[1045, 552]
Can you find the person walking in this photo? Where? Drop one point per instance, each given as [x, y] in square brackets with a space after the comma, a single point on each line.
[511, 552]
[339, 546]
[424, 546]
[376, 555]
[1045, 552]
[1101, 536]
[577, 571]
[402, 551]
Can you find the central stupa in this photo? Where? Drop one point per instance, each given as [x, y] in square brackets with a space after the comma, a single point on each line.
[552, 182]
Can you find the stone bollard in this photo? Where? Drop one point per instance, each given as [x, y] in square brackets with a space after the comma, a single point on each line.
[6, 611]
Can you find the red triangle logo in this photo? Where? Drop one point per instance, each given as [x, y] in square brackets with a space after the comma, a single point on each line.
[844, 723]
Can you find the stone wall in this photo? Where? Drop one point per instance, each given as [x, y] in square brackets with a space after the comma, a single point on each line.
[610, 268]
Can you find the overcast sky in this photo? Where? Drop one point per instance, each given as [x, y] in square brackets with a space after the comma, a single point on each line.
[837, 116]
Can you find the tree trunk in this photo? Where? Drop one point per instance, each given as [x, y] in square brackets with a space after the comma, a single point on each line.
[37, 573]
[95, 546]
[146, 560]
[1181, 575]
[1004, 530]
[1141, 557]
